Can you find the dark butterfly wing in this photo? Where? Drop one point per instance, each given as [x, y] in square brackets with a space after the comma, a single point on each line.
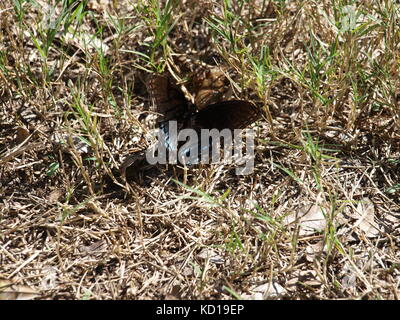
[168, 100]
[234, 114]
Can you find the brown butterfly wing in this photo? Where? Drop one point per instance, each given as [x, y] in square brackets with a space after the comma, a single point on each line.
[168, 99]
[210, 86]
[234, 114]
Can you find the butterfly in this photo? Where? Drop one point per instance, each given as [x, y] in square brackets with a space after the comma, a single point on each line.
[169, 101]
[171, 104]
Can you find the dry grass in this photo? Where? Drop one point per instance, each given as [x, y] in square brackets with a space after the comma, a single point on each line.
[73, 105]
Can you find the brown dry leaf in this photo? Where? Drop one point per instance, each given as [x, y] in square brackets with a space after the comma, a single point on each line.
[22, 134]
[85, 41]
[65, 142]
[265, 291]
[175, 293]
[95, 249]
[314, 250]
[309, 278]
[291, 284]
[99, 5]
[365, 215]
[11, 291]
[49, 281]
[349, 277]
[310, 218]
[55, 195]
[214, 257]
[187, 271]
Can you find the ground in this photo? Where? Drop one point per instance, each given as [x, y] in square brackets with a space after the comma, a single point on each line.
[319, 216]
